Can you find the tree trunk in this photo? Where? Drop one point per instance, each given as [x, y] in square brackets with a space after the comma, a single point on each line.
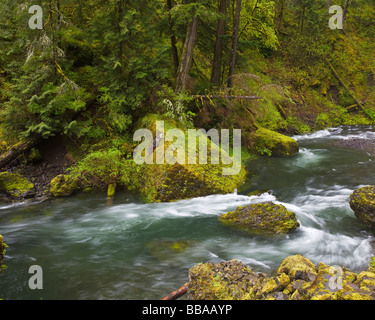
[176, 62]
[54, 54]
[16, 151]
[236, 28]
[183, 77]
[218, 55]
[280, 16]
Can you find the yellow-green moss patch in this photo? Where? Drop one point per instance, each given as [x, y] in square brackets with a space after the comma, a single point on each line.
[63, 186]
[15, 185]
[266, 217]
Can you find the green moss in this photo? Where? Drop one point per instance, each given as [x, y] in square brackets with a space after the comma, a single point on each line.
[297, 267]
[267, 218]
[166, 182]
[296, 279]
[64, 186]
[14, 184]
[111, 191]
[270, 143]
[166, 249]
[3, 246]
[230, 280]
[362, 202]
[296, 125]
[372, 263]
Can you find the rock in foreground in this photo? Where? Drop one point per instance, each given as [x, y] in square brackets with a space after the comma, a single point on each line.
[266, 218]
[297, 279]
[362, 202]
[15, 185]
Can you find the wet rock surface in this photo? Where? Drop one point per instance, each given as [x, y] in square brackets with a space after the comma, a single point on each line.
[367, 145]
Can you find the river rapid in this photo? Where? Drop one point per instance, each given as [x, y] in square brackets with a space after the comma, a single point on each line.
[89, 249]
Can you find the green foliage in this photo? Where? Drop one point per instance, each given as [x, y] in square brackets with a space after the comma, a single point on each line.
[99, 169]
[98, 67]
[175, 106]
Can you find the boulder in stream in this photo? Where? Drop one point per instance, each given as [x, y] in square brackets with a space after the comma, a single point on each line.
[63, 186]
[271, 143]
[362, 202]
[184, 180]
[268, 218]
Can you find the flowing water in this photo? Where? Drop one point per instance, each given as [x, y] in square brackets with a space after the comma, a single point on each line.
[130, 250]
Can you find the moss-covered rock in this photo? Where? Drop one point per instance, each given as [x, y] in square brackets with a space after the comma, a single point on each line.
[2, 252]
[230, 280]
[296, 279]
[268, 218]
[111, 191]
[172, 182]
[64, 186]
[362, 202]
[271, 143]
[166, 249]
[298, 268]
[15, 185]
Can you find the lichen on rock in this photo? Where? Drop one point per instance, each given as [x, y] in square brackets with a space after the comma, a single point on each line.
[15, 185]
[362, 202]
[268, 218]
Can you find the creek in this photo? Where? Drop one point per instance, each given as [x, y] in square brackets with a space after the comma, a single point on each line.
[131, 250]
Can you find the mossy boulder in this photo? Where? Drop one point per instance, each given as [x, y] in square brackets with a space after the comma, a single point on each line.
[362, 202]
[270, 143]
[172, 182]
[2, 252]
[15, 185]
[267, 218]
[64, 186]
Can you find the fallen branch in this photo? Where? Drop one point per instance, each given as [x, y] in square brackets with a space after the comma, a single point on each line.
[177, 294]
[227, 97]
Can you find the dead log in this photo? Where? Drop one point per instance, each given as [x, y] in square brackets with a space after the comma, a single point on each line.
[15, 151]
[177, 294]
[359, 105]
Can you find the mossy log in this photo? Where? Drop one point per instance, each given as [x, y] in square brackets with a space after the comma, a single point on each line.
[16, 151]
[358, 103]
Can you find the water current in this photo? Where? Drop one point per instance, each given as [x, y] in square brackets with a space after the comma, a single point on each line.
[130, 250]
